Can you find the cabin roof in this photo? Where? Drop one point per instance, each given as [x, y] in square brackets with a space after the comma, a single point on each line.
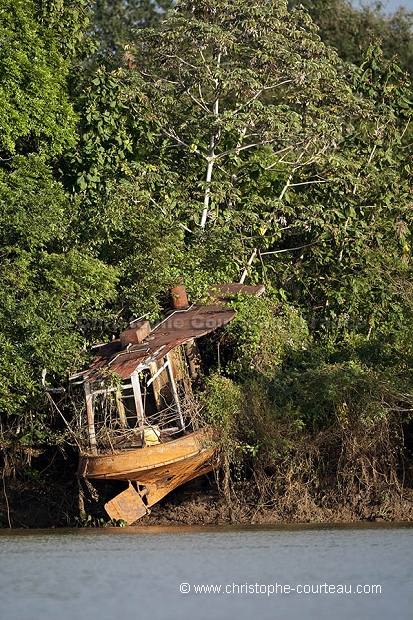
[175, 329]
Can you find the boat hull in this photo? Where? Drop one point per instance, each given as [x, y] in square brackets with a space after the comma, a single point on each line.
[155, 470]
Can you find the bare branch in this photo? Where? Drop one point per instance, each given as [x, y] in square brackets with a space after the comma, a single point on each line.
[251, 260]
[259, 92]
[309, 182]
[238, 149]
[286, 186]
[206, 64]
[172, 134]
[211, 154]
[200, 104]
[184, 62]
[300, 247]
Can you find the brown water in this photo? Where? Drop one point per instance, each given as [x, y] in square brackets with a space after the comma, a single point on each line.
[342, 572]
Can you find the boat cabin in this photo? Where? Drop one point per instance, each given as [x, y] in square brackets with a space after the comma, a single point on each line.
[138, 390]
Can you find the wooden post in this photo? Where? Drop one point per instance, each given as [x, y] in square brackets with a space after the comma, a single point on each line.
[121, 409]
[90, 418]
[194, 358]
[157, 384]
[174, 393]
[137, 395]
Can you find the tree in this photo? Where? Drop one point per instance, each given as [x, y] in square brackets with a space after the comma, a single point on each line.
[349, 29]
[352, 270]
[35, 111]
[47, 279]
[235, 99]
[113, 23]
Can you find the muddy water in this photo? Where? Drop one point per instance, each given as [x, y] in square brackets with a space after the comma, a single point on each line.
[286, 572]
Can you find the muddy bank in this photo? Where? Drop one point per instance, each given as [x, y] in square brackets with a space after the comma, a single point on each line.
[199, 502]
[47, 493]
[209, 507]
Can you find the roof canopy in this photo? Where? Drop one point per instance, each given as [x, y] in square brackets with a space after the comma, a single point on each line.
[177, 328]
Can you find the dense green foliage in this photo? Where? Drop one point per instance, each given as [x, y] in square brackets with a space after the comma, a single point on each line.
[48, 278]
[113, 23]
[350, 29]
[222, 141]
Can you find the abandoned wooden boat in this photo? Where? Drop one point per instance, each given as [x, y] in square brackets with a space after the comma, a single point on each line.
[141, 415]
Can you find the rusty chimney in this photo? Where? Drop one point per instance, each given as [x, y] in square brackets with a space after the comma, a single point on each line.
[178, 298]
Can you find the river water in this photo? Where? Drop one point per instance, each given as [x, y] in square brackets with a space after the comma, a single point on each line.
[343, 572]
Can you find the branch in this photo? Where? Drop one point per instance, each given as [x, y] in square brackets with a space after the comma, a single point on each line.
[156, 80]
[242, 148]
[286, 186]
[287, 150]
[406, 127]
[245, 273]
[300, 247]
[172, 134]
[309, 182]
[206, 64]
[281, 196]
[162, 210]
[187, 91]
[200, 104]
[259, 92]
[211, 154]
[184, 62]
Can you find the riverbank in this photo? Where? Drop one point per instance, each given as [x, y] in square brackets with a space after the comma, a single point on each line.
[209, 507]
[200, 502]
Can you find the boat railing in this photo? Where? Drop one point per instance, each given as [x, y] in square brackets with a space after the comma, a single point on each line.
[118, 428]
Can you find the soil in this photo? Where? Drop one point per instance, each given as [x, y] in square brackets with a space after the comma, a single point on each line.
[199, 502]
[208, 507]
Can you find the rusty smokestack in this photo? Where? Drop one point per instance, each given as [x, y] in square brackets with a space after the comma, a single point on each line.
[178, 298]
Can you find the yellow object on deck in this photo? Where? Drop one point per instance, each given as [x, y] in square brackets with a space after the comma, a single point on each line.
[152, 435]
